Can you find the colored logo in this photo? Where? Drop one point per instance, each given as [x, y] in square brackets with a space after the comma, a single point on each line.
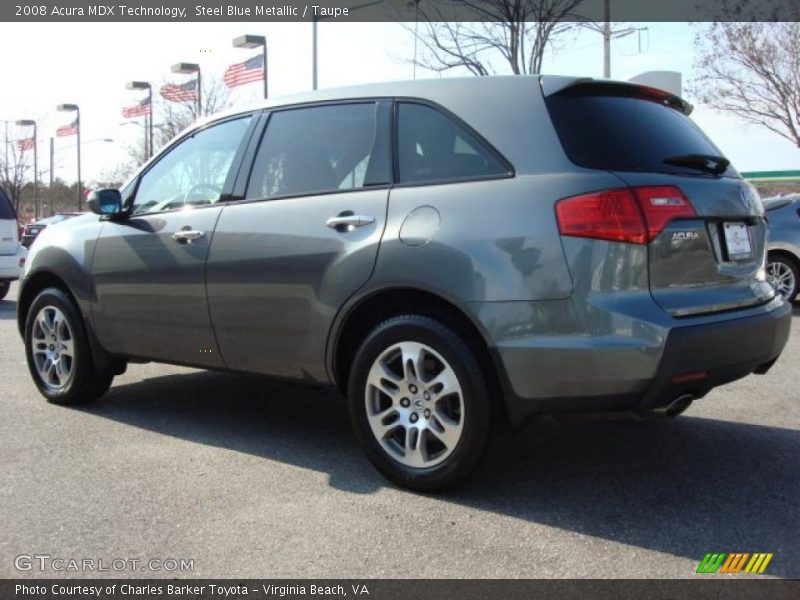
[734, 562]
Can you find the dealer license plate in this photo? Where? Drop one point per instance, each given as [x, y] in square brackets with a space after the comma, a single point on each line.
[737, 240]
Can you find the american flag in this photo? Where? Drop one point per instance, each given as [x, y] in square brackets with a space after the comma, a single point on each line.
[26, 144]
[245, 72]
[180, 93]
[137, 110]
[66, 130]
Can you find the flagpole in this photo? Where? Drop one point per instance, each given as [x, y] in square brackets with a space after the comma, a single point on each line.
[199, 94]
[80, 191]
[35, 173]
[150, 96]
[23, 144]
[266, 95]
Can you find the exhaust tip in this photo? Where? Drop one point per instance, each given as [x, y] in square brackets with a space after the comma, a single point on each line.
[679, 405]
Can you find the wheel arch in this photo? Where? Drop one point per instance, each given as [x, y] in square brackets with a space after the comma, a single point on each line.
[31, 288]
[365, 313]
[41, 280]
[786, 254]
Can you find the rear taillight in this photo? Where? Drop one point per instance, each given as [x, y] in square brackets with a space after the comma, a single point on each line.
[634, 215]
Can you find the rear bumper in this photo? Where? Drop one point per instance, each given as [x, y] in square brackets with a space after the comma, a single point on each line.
[724, 351]
[10, 264]
[646, 364]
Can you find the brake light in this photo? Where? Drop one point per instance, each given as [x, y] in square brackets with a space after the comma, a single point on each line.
[633, 215]
[660, 205]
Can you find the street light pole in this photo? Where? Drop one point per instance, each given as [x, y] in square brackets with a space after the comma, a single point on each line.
[314, 52]
[185, 69]
[80, 184]
[148, 119]
[610, 34]
[32, 123]
[254, 41]
[607, 39]
[77, 110]
[314, 20]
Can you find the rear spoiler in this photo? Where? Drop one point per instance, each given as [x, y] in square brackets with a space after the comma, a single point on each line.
[552, 85]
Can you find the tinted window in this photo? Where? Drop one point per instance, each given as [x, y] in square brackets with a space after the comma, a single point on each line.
[193, 172]
[318, 149]
[6, 209]
[619, 129]
[432, 146]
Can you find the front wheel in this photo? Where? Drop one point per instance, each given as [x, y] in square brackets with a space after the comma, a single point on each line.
[419, 403]
[4, 287]
[58, 353]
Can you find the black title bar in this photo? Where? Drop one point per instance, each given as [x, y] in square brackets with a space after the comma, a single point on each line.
[389, 10]
[699, 588]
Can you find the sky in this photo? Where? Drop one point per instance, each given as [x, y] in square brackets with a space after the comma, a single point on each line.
[89, 63]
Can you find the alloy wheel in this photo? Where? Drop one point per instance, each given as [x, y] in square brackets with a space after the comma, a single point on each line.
[414, 403]
[782, 278]
[53, 348]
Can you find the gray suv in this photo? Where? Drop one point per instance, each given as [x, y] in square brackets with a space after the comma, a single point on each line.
[449, 254]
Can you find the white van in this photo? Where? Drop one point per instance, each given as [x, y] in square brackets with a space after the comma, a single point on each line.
[12, 253]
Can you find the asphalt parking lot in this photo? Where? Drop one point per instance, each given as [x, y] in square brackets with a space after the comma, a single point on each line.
[256, 479]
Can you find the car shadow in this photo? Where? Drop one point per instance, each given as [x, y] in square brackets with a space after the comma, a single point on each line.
[685, 487]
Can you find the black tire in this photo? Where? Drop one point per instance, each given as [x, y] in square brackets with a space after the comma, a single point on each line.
[84, 384]
[473, 414]
[4, 287]
[787, 263]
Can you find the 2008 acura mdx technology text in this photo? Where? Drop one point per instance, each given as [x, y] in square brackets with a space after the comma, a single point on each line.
[444, 252]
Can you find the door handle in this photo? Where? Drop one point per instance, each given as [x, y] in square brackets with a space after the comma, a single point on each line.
[187, 235]
[345, 222]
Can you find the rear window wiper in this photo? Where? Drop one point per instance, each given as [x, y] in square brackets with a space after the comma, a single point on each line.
[702, 162]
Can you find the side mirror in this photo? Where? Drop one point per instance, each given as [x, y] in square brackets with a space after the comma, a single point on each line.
[105, 202]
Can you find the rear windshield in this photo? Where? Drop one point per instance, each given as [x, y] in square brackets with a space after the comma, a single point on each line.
[618, 128]
[6, 210]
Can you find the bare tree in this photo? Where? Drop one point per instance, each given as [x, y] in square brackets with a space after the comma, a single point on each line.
[751, 70]
[15, 168]
[177, 116]
[515, 31]
[172, 118]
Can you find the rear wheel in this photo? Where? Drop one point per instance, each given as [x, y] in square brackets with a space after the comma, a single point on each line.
[4, 287]
[419, 403]
[58, 353]
[783, 274]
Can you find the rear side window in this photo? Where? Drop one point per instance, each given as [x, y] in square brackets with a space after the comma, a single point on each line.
[621, 129]
[433, 147]
[319, 149]
[6, 209]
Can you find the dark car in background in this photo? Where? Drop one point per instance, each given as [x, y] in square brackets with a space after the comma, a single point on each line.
[447, 253]
[32, 230]
[783, 248]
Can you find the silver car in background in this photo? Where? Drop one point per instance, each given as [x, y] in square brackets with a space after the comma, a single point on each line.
[448, 253]
[783, 249]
